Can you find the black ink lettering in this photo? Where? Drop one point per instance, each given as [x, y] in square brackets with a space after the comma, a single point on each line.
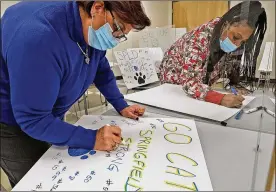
[122, 154]
[54, 187]
[115, 161]
[54, 177]
[59, 181]
[153, 126]
[93, 173]
[39, 186]
[112, 166]
[55, 167]
[107, 155]
[88, 178]
[71, 178]
[109, 182]
[160, 120]
[64, 168]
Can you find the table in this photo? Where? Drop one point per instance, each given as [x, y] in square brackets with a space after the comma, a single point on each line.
[252, 121]
[230, 155]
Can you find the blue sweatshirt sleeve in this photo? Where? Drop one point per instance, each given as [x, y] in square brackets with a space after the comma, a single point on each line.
[35, 59]
[105, 81]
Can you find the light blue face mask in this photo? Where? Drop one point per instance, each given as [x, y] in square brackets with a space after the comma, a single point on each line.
[227, 46]
[102, 39]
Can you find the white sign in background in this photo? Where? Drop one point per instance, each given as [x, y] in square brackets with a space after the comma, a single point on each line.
[137, 67]
[159, 154]
[162, 37]
[156, 54]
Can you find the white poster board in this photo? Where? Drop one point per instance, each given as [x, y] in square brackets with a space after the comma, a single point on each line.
[156, 54]
[172, 97]
[267, 59]
[162, 37]
[137, 67]
[159, 154]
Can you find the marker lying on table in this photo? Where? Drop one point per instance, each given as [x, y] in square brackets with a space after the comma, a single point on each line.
[253, 110]
[269, 112]
[238, 116]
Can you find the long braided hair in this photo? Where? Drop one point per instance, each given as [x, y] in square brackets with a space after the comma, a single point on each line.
[252, 13]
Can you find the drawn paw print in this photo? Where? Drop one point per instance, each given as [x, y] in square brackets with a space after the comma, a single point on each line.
[140, 78]
[75, 152]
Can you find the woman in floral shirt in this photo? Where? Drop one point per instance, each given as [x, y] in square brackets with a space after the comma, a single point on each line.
[214, 50]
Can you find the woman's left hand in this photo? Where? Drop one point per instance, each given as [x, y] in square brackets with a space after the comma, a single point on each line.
[133, 112]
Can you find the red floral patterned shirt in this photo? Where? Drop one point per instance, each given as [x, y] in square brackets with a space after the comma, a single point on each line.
[184, 63]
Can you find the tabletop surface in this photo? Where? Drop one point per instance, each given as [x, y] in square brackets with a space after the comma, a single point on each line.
[256, 121]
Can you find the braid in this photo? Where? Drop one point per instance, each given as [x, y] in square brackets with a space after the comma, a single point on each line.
[255, 17]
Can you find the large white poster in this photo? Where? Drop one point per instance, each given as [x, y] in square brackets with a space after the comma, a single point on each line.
[159, 154]
[172, 97]
[137, 67]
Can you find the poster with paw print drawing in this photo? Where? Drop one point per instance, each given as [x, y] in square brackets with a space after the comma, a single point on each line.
[159, 154]
[137, 67]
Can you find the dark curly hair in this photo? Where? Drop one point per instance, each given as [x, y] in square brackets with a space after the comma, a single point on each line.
[130, 12]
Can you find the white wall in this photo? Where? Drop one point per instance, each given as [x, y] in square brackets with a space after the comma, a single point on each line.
[5, 5]
[270, 33]
[158, 12]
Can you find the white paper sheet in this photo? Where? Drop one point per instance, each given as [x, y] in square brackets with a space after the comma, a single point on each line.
[162, 37]
[172, 97]
[156, 152]
[137, 67]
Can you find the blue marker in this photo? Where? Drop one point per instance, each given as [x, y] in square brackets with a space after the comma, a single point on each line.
[238, 116]
[234, 91]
